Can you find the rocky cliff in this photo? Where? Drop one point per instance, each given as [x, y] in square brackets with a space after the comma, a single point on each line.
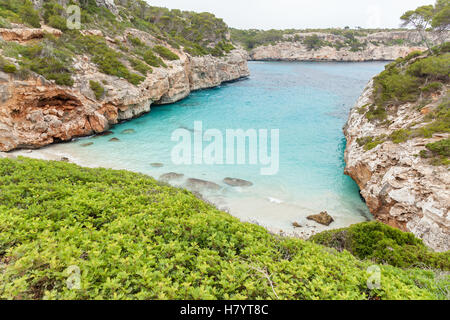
[380, 46]
[401, 188]
[36, 112]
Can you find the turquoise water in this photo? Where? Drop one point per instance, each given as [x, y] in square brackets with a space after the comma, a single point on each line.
[307, 102]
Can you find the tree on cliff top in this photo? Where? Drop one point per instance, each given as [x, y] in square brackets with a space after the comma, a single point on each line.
[429, 18]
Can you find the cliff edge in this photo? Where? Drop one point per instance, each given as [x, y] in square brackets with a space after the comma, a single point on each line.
[398, 146]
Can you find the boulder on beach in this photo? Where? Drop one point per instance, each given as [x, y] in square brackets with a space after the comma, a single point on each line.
[171, 176]
[128, 131]
[234, 182]
[322, 218]
[199, 185]
[296, 225]
[157, 165]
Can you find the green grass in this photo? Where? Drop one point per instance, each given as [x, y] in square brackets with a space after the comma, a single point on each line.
[135, 238]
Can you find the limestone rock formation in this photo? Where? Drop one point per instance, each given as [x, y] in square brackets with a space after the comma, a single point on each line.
[36, 112]
[401, 189]
[380, 46]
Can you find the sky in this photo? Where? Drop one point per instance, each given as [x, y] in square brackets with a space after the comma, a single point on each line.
[300, 14]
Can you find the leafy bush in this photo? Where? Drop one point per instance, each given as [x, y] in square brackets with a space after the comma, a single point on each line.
[97, 88]
[134, 238]
[440, 148]
[58, 22]
[434, 67]
[393, 86]
[432, 87]
[140, 66]
[376, 113]
[380, 243]
[151, 59]
[313, 42]
[400, 136]
[46, 59]
[29, 15]
[9, 68]
[165, 53]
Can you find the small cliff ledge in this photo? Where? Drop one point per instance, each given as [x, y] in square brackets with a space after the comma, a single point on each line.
[401, 188]
[36, 112]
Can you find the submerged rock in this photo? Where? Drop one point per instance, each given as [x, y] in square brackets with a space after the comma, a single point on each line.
[237, 182]
[157, 165]
[322, 218]
[198, 185]
[105, 133]
[114, 140]
[87, 144]
[171, 176]
[128, 131]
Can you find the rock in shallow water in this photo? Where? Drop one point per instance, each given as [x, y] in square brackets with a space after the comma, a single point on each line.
[105, 133]
[323, 218]
[157, 165]
[199, 185]
[114, 140]
[237, 182]
[171, 176]
[128, 131]
[87, 144]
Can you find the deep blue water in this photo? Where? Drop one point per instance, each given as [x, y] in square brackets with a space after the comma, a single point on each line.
[307, 102]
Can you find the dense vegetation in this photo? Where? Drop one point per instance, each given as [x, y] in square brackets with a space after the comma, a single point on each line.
[418, 79]
[198, 34]
[380, 243]
[352, 40]
[134, 238]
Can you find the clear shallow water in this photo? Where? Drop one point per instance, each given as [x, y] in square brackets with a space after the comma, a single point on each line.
[308, 102]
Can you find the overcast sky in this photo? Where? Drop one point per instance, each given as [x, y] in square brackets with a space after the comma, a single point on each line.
[300, 14]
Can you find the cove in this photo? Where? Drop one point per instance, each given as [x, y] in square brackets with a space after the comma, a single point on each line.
[307, 102]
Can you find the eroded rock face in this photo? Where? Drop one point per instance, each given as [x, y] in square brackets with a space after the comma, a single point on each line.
[401, 189]
[36, 112]
[380, 47]
[298, 52]
[26, 34]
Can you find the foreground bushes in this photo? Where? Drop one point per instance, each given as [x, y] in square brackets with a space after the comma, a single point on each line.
[380, 243]
[134, 238]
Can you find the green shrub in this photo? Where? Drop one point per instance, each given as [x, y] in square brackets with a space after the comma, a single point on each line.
[165, 53]
[58, 22]
[97, 88]
[9, 68]
[434, 67]
[29, 15]
[380, 243]
[440, 148]
[140, 66]
[393, 86]
[376, 113]
[134, 238]
[48, 61]
[432, 87]
[136, 41]
[151, 59]
[400, 136]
